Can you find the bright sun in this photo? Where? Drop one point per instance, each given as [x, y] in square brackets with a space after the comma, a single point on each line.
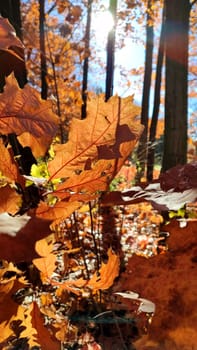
[102, 23]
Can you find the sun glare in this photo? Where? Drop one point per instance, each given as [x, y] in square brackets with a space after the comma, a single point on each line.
[102, 23]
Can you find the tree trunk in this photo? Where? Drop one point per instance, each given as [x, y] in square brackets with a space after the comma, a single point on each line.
[176, 42]
[86, 61]
[43, 64]
[111, 53]
[142, 148]
[156, 103]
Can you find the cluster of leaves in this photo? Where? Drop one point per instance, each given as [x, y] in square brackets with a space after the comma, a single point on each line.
[62, 178]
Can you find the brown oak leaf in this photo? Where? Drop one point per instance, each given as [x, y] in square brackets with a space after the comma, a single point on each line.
[100, 129]
[22, 110]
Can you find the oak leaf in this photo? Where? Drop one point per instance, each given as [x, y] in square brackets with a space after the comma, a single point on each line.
[107, 273]
[102, 127]
[22, 110]
[38, 147]
[58, 212]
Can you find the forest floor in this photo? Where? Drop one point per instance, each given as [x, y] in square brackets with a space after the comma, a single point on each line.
[169, 280]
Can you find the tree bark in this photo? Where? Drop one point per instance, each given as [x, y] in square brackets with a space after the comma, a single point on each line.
[176, 105]
[43, 64]
[156, 103]
[142, 148]
[111, 53]
[86, 61]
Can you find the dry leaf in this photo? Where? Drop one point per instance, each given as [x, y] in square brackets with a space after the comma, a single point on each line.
[47, 264]
[100, 129]
[36, 331]
[43, 248]
[5, 331]
[8, 166]
[22, 110]
[73, 286]
[38, 147]
[10, 200]
[107, 273]
[58, 212]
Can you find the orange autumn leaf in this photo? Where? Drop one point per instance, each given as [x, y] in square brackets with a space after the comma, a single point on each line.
[47, 263]
[5, 331]
[88, 181]
[36, 332]
[43, 248]
[62, 330]
[58, 212]
[74, 286]
[99, 136]
[10, 200]
[8, 306]
[8, 166]
[46, 266]
[22, 110]
[38, 147]
[107, 273]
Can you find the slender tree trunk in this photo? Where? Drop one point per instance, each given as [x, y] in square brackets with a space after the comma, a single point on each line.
[142, 148]
[156, 103]
[43, 64]
[176, 106]
[86, 61]
[111, 53]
